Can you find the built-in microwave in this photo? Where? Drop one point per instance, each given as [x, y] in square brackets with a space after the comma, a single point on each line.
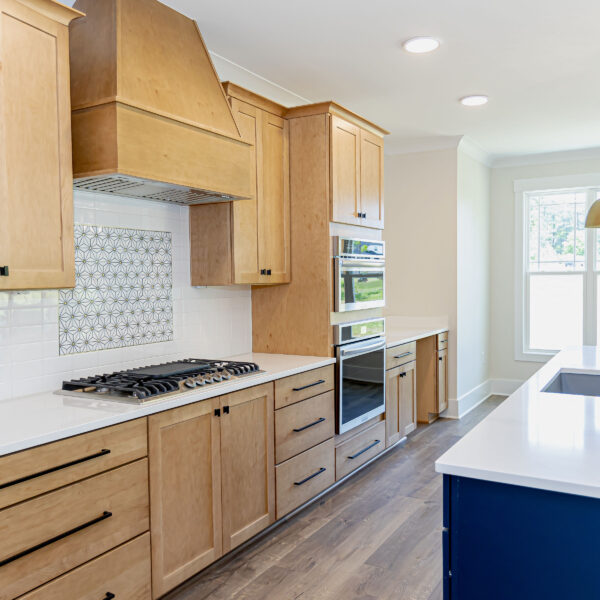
[359, 274]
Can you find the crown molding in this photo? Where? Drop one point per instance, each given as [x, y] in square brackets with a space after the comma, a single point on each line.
[475, 151]
[546, 158]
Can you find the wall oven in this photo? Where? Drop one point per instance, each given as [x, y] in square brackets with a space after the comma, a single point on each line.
[360, 353]
[359, 274]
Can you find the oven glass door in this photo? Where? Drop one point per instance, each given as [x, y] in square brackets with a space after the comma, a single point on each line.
[361, 385]
[360, 287]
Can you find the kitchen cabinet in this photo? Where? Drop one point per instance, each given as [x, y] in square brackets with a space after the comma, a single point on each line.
[212, 487]
[359, 449]
[247, 463]
[432, 377]
[401, 402]
[36, 178]
[248, 241]
[184, 450]
[356, 175]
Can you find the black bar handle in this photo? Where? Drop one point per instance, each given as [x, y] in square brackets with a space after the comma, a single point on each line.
[109, 596]
[365, 449]
[4, 271]
[321, 470]
[71, 463]
[268, 271]
[308, 386]
[217, 412]
[105, 515]
[403, 355]
[299, 429]
[263, 271]
[226, 410]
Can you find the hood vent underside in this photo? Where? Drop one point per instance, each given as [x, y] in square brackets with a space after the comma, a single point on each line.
[134, 187]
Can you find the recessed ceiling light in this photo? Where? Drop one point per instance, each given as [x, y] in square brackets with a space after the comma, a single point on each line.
[477, 100]
[420, 45]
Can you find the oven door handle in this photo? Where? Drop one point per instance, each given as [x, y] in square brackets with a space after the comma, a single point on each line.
[348, 352]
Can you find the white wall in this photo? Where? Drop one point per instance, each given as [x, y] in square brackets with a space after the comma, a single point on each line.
[503, 363]
[473, 287]
[208, 322]
[420, 234]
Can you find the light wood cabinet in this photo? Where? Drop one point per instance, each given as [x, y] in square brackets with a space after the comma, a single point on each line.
[36, 178]
[247, 463]
[442, 381]
[356, 175]
[184, 450]
[432, 377]
[248, 241]
[359, 449]
[400, 404]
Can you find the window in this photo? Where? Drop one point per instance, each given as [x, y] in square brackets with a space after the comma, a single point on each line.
[557, 267]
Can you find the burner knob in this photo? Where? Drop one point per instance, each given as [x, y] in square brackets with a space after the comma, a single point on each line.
[200, 381]
[226, 375]
[190, 383]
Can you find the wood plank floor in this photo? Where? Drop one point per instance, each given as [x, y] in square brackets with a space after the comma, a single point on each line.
[378, 536]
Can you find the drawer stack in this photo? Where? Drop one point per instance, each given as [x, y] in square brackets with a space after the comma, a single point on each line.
[304, 431]
[64, 505]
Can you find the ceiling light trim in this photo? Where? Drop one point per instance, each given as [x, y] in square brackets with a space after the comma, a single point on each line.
[421, 44]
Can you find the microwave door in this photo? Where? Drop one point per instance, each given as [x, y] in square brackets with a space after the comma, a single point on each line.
[359, 287]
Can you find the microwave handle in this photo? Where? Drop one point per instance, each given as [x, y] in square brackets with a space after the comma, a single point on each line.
[348, 352]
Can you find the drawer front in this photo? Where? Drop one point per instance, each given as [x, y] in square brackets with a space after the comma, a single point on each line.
[304, 385]
[399, 355]
[442, 340]
[304, 476]
[29, 473]
[303, 425]
[360, 449]
[122, 574]
[43, 538]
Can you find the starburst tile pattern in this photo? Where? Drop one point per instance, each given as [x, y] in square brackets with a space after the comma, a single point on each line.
[123, 290]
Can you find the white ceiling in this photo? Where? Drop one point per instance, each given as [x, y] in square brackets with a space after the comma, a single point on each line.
[538, 60]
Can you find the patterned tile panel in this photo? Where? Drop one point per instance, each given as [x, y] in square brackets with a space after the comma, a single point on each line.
[123, 290]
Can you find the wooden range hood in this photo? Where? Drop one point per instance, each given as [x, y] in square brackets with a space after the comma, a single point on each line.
[149, 116]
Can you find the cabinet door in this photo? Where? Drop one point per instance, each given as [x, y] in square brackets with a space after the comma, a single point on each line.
[36, 177]
[248, 463]
[442, 381]
[345, 172]
[245, 212]
[274, 199]
[185, 493]
[408, 399]
[371, 179]
[392, 406]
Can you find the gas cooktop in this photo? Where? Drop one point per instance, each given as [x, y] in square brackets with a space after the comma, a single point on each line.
[147, 383]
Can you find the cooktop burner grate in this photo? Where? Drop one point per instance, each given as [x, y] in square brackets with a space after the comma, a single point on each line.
[145, 383]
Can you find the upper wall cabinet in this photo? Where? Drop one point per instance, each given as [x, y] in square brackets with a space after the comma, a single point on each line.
[248, 241]
[36, 179]
[356, 174]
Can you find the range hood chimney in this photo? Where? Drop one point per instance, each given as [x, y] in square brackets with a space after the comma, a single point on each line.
[149, 116]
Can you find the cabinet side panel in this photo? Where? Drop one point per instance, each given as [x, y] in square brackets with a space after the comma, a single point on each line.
[295, 318]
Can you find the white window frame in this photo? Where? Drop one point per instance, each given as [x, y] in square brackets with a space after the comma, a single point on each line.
[589, 182]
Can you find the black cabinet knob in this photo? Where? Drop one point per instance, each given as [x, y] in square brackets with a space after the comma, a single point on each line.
[263, 271]
[4, 271]
[109, 596]
[268, 271]
[226, 410]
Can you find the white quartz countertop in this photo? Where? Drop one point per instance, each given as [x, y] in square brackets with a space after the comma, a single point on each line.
[537, 439]
[401, 335]
[41, 418]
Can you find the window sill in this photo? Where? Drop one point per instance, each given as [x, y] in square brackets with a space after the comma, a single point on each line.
[541, 357]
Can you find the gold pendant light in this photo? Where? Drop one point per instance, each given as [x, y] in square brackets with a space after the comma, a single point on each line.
[593, 217]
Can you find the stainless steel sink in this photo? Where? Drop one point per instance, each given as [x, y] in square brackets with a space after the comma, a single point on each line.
[582, 384]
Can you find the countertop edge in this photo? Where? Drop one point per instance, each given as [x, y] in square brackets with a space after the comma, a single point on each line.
[415, 337]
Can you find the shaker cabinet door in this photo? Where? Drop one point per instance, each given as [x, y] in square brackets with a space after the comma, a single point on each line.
[371, 179]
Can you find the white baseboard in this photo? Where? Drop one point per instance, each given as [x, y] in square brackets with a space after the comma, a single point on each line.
[459, 407]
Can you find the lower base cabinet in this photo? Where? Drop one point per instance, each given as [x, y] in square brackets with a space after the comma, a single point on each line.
[400, 402]
[359, 449]
[211, 481]
[122, 573]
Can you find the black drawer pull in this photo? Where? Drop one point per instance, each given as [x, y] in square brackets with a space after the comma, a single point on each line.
[403, 355]
[308, 386]
[268, 271]
[365, 449]
[105, 515]
[109, 596]
[263, 271]
[53, 469]
[4, 271]
[321, 470]
[299, 429]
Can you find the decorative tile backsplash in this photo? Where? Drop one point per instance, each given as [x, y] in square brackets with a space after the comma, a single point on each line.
[122, 295]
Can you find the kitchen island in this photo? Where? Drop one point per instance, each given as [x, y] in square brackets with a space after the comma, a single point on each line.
[522, 493]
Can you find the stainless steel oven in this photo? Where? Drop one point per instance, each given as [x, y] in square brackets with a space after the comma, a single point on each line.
[360, 352]
[359, 274]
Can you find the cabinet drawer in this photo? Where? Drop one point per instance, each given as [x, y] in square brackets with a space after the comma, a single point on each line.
[47, 536]
[442, 340]
[304, 476]
[123, 573]
[359, 449]
[399, 355]
[304, 425]
[30, 473]
[304, 385]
